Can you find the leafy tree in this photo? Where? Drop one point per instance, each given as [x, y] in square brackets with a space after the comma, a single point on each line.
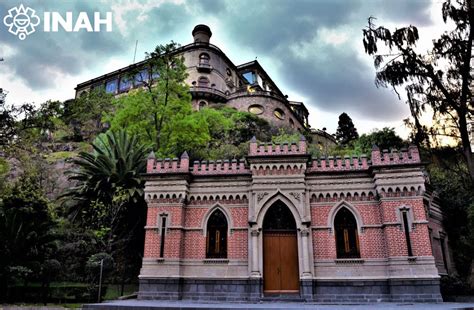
[23, 125]
[27, 237]
[84, 114]
[346, 131]
[155, 111]
[439, 79]
[450, 178]
[228, 132]
[384, 139]
[108, 197]
[111, 171]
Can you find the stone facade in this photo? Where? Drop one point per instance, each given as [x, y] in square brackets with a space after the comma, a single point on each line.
[396, 216]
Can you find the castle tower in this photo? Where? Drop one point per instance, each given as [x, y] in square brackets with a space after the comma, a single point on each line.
[202, 34]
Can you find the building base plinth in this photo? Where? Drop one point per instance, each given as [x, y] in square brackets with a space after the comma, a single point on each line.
[201, 289]
[319, 291]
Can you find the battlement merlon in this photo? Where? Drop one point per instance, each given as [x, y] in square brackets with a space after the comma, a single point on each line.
[167, 165]
[233, 166]
[269, 149]
[339, 164]
[182, 165]
[395, 157]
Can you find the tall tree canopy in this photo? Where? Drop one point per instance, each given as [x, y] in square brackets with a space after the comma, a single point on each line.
[346, 131]
[161, 106]
[438, 79]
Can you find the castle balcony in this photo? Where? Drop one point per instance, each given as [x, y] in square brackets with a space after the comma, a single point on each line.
[204, 92]
[204, 67]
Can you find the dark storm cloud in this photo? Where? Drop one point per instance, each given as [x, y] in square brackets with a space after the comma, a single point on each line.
[331, 76]
[43, 56]
[167, 18]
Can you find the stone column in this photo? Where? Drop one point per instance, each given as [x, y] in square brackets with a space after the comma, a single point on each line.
[254, 268]
[306, 261]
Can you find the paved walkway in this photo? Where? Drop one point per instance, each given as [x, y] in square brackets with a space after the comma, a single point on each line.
[189, 305]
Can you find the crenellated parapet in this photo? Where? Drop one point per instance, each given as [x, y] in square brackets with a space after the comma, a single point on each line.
[339, 164]
[395, 157]
[167, 165]
[181, 165]
[269, 149]
[219, 167]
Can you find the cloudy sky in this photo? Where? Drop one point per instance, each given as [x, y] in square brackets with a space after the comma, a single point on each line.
[311, 48]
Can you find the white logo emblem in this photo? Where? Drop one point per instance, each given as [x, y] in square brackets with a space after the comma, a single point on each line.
[21, 22]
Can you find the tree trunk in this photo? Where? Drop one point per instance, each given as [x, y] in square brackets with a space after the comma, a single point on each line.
[466, 144]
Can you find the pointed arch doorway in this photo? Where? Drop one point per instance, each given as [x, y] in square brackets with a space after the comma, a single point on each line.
[280, 251]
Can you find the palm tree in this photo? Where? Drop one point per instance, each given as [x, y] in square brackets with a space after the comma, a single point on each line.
[108, 195]
[107, 180]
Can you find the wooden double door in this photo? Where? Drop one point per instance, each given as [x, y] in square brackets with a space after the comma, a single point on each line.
[280, 262]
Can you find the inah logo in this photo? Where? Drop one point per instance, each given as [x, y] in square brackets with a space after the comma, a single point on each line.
[21, 22]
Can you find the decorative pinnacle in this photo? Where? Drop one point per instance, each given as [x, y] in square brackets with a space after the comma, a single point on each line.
[151, 155]
[253, 140]
[302, 138]
[184, 155]
[375, 147]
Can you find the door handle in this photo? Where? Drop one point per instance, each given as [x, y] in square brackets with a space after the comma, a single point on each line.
[278, 270]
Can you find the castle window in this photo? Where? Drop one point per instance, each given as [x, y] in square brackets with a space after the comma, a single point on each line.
[256, 109]
[202, 104]
[406, 228]
[162, 218]
[125, 83]
[203, 81]
[250, 77]
[141, 78]
[228, 72]
[279, 113]
[442, 242]
[204, 59]
[111, 86]
[292, 123]
[216, 242]
[347, 239]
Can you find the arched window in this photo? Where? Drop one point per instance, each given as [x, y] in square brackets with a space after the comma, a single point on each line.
[216, 242]
[204, 59]
[202, 104]
[203, 81]
[347, 239]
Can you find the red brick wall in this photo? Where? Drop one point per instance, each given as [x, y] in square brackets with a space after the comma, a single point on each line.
[375, 242]
[190, 243]
[372, 243]
[324, 244]
[395, 235]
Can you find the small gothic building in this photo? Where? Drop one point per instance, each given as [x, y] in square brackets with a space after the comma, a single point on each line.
[280, 224]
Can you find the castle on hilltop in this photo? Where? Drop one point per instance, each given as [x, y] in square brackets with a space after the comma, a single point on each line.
[279, 224]
[215, 80]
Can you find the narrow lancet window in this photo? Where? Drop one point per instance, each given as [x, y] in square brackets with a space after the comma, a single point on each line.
[347, 238]
[216, 242]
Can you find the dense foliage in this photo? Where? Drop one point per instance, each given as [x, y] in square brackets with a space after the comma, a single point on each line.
[383, 139]
[346, 131]
[439, 79]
